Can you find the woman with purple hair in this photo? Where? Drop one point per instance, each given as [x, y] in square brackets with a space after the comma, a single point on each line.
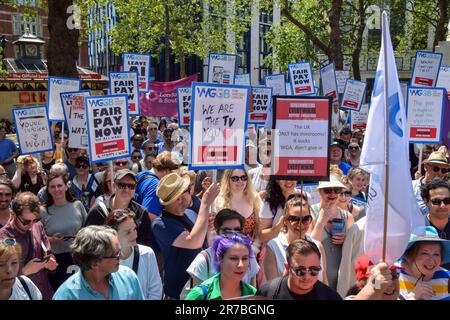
[233, 252]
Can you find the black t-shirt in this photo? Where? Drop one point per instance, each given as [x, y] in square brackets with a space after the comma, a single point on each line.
[279, 291]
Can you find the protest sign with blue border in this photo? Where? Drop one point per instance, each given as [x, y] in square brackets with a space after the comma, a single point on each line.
[140, 63]
[57, 85]
[277, 83]
[184, 106]
[301, 78]
[126, 82]
[329, 82]
[221, 68]
[426, 69]
[76, 122]
[353, 95]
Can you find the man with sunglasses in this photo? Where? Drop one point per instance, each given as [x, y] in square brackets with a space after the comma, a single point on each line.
[26, 228]
[436, 166]
[301, 283]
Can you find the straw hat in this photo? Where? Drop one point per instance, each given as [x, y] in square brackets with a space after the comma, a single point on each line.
[334, 182]
[437, 157]
[171, 187]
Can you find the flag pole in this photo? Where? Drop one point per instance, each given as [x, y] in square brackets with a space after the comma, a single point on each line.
[386, 135]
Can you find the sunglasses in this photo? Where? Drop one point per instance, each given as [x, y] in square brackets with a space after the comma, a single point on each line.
[306, 220]
[331, 190]
[439, 202]
[129, 186]
[137, 157]
[153, 129]
[345, 193]
[236, 178]
[120, 213]
[121, 163]
[301, 271]
[82, 166]
[27, 222]
[442, 170]
[230, 230]
[8, 241]
[353, 148]
[115, 255]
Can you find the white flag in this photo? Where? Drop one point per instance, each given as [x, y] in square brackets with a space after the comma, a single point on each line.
[403, 212]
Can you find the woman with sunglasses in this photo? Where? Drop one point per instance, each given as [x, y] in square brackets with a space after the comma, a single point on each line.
[62, 217]
[344, 200]
[140, 258]
[84, 186]
[233, 252]
[28, 176]
[12, 286]
[237, 193]
[297, 219]
[330, 224]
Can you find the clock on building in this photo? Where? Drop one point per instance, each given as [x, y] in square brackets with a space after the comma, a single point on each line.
[31, 50]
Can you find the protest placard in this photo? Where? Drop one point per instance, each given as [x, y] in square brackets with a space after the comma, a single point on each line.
[221, 68]
[56, 86]
[341, 79]
[261, 105]
[75, 114]
[288, 89]
[404, 88]
[301, 137]
[444, 79]
[108, 127]
[329, 82]
[426, 69]
[33, 129]
[425, 109]
[242, 79]
[218, 123]
[301, 78]
[358, 119]
[126, 83]
[353, 95]
[184, 106]
[140, 63]
[276, 82]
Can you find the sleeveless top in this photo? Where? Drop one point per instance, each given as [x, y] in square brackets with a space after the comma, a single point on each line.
[332, 252]
[27, 185]
[249, 225]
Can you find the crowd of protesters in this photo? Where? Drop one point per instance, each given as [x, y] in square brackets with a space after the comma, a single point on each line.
[145, 227]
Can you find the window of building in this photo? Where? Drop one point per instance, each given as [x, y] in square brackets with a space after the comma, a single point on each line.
[22, 23]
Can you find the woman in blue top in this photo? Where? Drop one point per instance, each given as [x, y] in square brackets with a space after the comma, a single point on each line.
[233, 252]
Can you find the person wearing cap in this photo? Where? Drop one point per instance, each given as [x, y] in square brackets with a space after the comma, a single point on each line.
[421, 274]
[436, 166]
[337, 155]
[180, 240]
[330, 224]
[84, 185]
[122, 198]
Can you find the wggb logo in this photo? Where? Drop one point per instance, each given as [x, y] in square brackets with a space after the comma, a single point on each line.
[213, 92]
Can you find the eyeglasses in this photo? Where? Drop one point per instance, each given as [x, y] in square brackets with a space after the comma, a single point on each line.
[123, 186]
[81, 166]
[137, 157]
[301, 271]
[331, 190]
[153, 129]
[345, 193]
[115, 255]
[27, 222]
[230, 230]
[306, 220]
[8, 241]
[120, 213]
[121, 163]
[236, 178]
[439, 202]
[353, 148]
[442, 170]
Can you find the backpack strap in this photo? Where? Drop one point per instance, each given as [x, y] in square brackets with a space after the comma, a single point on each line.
[205, 291]
[274, 288]
[205, 254]
[25, 286]
[135, 259]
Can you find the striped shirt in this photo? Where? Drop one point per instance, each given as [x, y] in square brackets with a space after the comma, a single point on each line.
[439, 283]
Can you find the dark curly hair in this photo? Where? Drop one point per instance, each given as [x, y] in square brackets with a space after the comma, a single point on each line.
[274, 196]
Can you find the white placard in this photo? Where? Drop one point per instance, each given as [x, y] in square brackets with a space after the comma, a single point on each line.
[242, 79]
[184, 106]
[426, 69]
[55, 87]
[261, 105]
[218, 123]
[221, 68]
[75, 113]
[140, 63]
[126, 83]
[341, 79]
[276, 82]
[329, 83]
[353, 95]
[301, 78]
[288, 89]
[358, 119]
[33, 129]
[444, 79]
[425, 110]
[108, 127]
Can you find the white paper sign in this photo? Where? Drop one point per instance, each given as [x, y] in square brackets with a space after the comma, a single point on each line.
[221, 68]
[219, 114]
[358, 119]
[329, 83]
[425, 109]
[184, 106]
[108, 127]
[55, 87]
[404, 88]
[33, 129]
[75, 113]
[341, 79]
[353, 95]
[242, 79]
[126, 83]
[261, 105]
[139, 63]
[288, 89]
[444, 79]
[276, 82]
[301, 78]
[426, 69]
